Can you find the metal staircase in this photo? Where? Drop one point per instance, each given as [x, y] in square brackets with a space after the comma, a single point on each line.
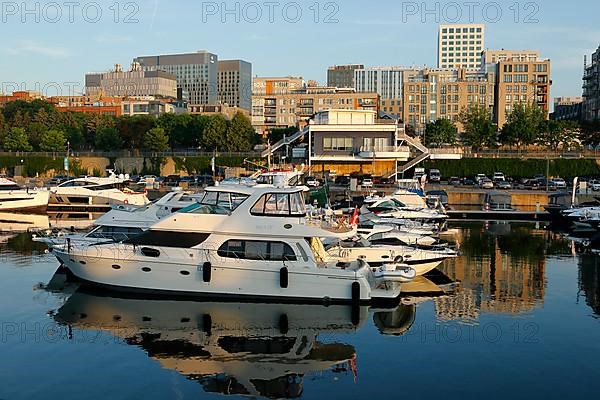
[284, 142]
[425, 154]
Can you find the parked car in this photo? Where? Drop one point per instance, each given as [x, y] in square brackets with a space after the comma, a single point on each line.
[486, 183]
[189, 180]
[559, 183]
[594, 184]
[503, 185]
[367, 183]
[454, 181]
[498, 177]
[479, 178]
[435, 176]
[468, 182]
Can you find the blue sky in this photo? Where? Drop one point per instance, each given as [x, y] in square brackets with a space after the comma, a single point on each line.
[40, 47]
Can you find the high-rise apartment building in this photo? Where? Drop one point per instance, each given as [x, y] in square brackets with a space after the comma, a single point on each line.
[135, 83]
[385, 81]
[460, 46]
[342, 76]
[234, 79]
[431, 94]
[521, 82]
[591, 88]
[196, 73]
[568, 108]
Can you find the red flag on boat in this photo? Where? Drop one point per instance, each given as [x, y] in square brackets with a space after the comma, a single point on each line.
[354, 219]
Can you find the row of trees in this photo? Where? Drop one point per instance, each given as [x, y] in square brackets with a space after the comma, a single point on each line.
[526, 125]
[37, 125]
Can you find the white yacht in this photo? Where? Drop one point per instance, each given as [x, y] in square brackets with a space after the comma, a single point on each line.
[389, 234]
[122, 221]
[15, 198]
[235, 242]
[421, 259]
[95, 192]
[390, 207]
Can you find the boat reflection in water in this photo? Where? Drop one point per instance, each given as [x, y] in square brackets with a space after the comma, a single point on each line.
[230, 348]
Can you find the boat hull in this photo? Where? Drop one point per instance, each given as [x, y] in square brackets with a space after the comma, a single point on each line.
[34, 202]
[232, 280]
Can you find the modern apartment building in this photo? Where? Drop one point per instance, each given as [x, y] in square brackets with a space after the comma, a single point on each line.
[135, 82]
[196, 73]
[283, 102]
[521, 82]
[387, 82]
[591, 88]
[430, 94]
[234, 79]
[342, 76]
[460, 46]
[568, 108]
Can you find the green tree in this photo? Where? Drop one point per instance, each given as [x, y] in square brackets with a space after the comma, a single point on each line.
[440, 132]
[214, 137]
[479, 130]
[554, 134]
[591, 132]
[241, 136]
[132, 129]
[156, 140]
[53, 140]
[16, 140]
[108, 139]
[523, 125]
[35, 132]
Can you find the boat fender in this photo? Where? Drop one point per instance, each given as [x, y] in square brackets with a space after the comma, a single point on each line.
[126, 201]
[284, 278]
[399, 260]
[355, 293]
[284, 324]
[206, 272]
[207, 324]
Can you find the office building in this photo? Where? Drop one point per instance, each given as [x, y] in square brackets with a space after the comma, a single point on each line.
[460, 46]
[196, 73]
[135, 82]
[342, 76]
[591, 88]
[234, 79]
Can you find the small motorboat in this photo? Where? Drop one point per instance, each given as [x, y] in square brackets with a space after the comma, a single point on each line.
[394, 272]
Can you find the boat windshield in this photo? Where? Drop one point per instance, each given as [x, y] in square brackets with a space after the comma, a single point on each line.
[221, 203]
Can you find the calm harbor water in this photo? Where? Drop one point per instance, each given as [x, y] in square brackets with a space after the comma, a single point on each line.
[516, 316]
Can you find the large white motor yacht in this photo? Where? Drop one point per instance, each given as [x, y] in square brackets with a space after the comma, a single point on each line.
[15, 198]
[96, 192]
[235, 242]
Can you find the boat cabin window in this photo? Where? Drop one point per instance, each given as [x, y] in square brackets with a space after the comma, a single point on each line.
[76, 184]
[10, 187]
[168, 239]
[114, 232]
[257, 250]
[280, 204]
[221, 203]
[102, 187]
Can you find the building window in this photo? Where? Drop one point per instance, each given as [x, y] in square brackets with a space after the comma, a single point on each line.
[338, 144]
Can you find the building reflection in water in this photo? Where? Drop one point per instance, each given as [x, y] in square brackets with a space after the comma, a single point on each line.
[501, 270]
[263, 350]
[589, 280]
